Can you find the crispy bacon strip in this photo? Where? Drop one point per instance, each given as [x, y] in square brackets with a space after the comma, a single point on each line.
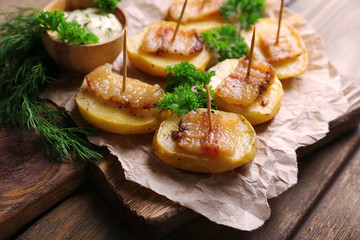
[194, 12]
[277, 52]
[239, 90]
[108, 86]
[158, 40]
[194, 134]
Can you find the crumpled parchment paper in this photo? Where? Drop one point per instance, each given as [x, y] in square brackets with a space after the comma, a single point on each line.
[237, 198]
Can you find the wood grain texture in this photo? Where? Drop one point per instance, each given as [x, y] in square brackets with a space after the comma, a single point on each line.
[145, 211]
[338, 23]
[83, 215]
[337, 216]
[30, 183]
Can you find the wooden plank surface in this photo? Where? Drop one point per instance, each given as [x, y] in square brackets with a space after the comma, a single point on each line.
[338, 23]
[337, 216]
[83, 215]
[30, 183]
[317, 172]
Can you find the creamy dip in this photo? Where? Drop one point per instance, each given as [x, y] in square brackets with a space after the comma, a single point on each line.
[104, 25]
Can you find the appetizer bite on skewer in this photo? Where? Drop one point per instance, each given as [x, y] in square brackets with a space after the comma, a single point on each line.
[258, 98]
[187, 142]
[198, 139]
[102, 103]
[284, 50]
[199, 14]
[153, 49]
[249, 88]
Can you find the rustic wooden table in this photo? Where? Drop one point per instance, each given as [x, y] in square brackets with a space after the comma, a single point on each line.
[43, 200]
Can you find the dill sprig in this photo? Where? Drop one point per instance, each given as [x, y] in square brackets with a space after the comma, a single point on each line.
[226, 42]
[246, 11]
[25, 72]
[186, 89]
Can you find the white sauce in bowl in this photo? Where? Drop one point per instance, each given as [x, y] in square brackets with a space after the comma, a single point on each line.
[104, 25]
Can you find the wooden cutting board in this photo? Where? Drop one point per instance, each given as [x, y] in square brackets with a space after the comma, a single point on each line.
[31, 184]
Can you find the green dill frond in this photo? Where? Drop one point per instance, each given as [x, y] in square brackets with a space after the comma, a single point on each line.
[26, 69]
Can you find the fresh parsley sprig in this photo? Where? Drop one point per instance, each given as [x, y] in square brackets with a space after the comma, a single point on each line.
[69, 32]
[26, 69]
[246, 11]
[226, 42]
[186, 89]
[107, 5]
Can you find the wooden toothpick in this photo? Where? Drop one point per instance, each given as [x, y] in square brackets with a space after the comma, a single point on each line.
[179, 21]
[279, 24]
[209, 105]
[124, 61]
[202, 4]
[251, 53]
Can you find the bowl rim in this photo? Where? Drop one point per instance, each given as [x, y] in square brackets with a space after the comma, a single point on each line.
[120, 35]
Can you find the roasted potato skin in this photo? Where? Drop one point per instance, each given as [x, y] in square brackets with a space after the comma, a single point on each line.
[286, 69]
[168, 151]
[263, 109]
[112, 118]
[155, 64]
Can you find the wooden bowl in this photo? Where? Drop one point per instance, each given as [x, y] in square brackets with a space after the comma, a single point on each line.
[79, 60]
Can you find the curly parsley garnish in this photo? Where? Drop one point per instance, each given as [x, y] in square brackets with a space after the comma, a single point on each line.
[107, 5]
[186, 89]
[226, 42]
[246, 11]
[69, 32]
[26, 69]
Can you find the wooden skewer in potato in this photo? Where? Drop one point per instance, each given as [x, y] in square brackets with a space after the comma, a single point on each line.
[179, 20]
[202, 15]
[153, 49]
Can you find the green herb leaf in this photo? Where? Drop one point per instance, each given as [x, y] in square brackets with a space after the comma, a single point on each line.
[69, 32]
[26, 69]
[246, 11]
[226, 42]
[107, 5]
[186, 89]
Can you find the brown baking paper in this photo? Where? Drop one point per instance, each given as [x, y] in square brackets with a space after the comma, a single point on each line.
[237, 198]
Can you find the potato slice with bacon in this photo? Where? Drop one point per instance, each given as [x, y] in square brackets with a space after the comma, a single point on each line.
[202, 18]
[153, 56]
[102, 103]
[258, 101]
[187, 143]
[289, 57]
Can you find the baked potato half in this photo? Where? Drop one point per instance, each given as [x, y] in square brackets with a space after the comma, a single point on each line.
[167, 149]
[114, 117]
[264, 108]
[287, 68]
[154, 64]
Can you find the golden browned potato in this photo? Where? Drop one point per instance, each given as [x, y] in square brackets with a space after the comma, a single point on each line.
[206, 152]
[202, 19]
[265, 106]
[284, 68]
[155, 64]
[117, 117]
